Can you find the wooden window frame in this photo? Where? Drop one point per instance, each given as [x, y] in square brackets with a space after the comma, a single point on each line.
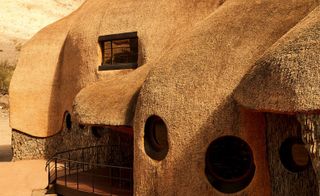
[114, 37]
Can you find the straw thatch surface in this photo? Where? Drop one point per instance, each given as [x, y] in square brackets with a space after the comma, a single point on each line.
[31, 105]
[191, 88]
[197, 56]
[110, 102]
[283, 181]
[63, 58]
[287, 77]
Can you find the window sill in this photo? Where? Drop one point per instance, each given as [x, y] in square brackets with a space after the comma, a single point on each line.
[118, 66]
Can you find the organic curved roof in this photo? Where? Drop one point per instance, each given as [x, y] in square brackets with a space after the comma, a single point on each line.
[35, 82]
[63, 58]
[110, 102]
[287, 77]
[191, 88]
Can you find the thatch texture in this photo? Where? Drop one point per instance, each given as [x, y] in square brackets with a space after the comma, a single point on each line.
[191, 86]
[285, 182]
[286, 79]
[110, 102]
[33, 108]
[63, 58]
[197, 56]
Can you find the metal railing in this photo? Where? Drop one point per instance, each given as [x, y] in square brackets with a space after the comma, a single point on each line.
[96, 169]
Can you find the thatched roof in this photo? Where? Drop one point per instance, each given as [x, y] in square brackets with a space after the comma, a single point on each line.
[191, 86]
[110, 102]
[35, 82]
[287, 77]
[64, 57]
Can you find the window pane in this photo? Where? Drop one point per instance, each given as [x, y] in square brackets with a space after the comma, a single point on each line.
[134, 45]
[107, 45]
[107, 56]
[124, 43]
[121, 55]
[134, 50]
[120, 51]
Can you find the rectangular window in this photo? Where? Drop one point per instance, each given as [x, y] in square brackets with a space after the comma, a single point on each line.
[119, 51]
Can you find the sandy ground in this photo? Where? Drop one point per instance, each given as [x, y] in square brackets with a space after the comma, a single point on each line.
[21, 177]
[5, 130]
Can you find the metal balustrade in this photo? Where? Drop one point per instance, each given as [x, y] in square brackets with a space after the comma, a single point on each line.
[100, 170]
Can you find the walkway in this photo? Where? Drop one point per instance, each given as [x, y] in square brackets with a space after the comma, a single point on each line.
[21, 177]
[102, 186]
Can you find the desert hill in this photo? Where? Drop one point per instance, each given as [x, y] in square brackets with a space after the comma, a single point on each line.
[21, 19]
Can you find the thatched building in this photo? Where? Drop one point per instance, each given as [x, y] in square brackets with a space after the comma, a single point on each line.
[210, 92]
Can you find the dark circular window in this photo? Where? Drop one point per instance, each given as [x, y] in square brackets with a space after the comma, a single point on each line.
[229, 164]
[293, 155]
[156, 138]
[99, 131]
[68, 121]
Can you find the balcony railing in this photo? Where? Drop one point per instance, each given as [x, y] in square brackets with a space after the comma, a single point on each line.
[102, 170]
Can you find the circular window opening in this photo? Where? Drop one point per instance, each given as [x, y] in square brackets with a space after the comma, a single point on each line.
[68, 121]
[156, 138]
[98, 131]
[293, 155]
[229, 164]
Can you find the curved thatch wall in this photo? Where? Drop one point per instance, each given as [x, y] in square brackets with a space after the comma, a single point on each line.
[35, 83]
[190, 88]
[287, 77]
[63, 58]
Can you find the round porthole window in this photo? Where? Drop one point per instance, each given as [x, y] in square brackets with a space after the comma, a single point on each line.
[229, 164]
[68, 121]
[99, 131]
[293, 155]
[156, 138]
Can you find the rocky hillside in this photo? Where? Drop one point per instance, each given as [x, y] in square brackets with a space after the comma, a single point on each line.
[21, 19]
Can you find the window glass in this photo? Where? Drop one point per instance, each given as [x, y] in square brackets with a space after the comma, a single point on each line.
[107, 52]
[123, 43]
[120, 51]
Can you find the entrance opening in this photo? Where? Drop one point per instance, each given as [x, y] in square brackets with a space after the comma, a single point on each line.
[105, 168]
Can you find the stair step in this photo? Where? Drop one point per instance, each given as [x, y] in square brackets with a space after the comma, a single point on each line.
[42, 192]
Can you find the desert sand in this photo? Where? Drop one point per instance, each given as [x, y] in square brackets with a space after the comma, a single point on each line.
[21, 177]
[21, 19]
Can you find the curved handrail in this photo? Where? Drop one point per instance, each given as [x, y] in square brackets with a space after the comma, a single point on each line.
[85, 161]
[55, 156]
[96, 164]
